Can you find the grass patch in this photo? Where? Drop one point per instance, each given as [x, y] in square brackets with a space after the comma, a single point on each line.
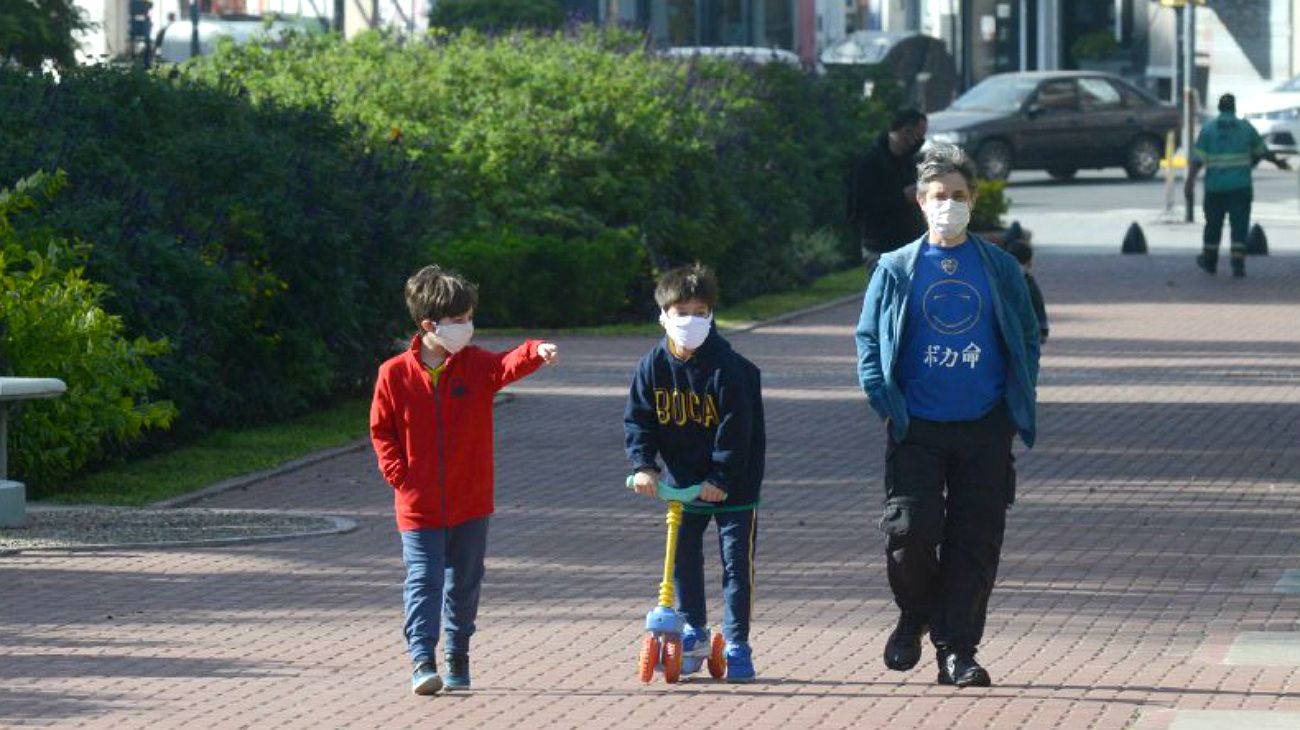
[826, 289]
[217, 456]
[232, 452]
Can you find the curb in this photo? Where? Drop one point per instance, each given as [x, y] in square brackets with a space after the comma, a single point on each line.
[342, 525]
[247, 480]
[780, 318]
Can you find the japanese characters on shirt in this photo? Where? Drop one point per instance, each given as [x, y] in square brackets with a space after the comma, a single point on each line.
[951, 307]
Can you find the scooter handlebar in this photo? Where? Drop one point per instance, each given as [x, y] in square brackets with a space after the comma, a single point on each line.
[669, 493]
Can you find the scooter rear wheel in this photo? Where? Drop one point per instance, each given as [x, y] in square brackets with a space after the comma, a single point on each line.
[645, 664]
[672, 659]
[718, 657]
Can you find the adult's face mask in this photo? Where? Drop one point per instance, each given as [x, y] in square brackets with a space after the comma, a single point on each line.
[686, 332]
[948, 218]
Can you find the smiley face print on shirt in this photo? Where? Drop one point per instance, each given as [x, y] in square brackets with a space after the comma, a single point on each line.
[951, 306]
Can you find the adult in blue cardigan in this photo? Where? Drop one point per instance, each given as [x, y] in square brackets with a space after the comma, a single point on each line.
[948, 356]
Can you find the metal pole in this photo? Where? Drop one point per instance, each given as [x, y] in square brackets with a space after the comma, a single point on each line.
[4, 441]
[1024, 31]
[1174, 94]
[194, 29]
[1189, 102]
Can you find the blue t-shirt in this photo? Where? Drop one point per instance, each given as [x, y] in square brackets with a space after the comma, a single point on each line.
[951, 366]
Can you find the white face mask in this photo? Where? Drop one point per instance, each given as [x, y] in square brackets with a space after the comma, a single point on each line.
[686, 332]
[948, 218]
[453, 336]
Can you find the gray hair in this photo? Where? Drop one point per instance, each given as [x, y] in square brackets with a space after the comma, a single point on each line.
[942, 160]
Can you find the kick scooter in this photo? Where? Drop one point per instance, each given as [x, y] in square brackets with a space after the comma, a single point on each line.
[661, 648]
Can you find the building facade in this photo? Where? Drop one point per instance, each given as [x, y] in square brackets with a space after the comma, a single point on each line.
[1241, 45]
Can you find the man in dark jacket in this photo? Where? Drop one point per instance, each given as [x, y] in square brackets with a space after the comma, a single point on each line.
[882, 191]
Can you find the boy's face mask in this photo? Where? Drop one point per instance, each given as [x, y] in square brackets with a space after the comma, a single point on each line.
[685, 331]
[453, 336]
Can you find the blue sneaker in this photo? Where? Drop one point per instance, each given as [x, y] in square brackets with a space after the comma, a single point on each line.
[695, 648]
[455, 674]
[424, 680]
[740, 663]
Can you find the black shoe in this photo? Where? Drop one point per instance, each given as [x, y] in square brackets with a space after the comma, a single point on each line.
[903, 650]
[960, 668]
[1238, 271]
[1207, 265]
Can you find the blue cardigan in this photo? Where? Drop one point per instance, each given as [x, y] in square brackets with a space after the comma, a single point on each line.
[884, 316]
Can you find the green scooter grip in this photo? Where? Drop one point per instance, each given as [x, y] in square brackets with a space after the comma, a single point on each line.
[669, 493]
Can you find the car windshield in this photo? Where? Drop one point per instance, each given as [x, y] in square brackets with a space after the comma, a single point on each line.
[1293, 85]
[997, 94]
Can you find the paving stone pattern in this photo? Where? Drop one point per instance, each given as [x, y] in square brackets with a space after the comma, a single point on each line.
[1155, 519]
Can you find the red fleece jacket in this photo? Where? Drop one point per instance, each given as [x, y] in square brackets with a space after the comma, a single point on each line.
[435, 444]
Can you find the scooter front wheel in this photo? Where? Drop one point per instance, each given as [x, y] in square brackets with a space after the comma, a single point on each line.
[645, 664]
[717, 656]
[672, 659]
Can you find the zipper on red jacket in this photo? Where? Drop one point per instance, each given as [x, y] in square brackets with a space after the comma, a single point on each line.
[442, 450]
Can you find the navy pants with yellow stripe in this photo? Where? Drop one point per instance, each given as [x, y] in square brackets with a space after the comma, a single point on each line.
[1235, 206]
[737, 538]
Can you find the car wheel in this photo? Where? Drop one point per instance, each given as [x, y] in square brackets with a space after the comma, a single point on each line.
[1062, 173]
[994, 160]
[1143, 158]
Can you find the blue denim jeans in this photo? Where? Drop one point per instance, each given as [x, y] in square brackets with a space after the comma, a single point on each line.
[444, 571]
[737, 539]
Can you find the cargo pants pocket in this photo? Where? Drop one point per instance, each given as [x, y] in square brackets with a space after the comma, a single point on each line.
[910, 517]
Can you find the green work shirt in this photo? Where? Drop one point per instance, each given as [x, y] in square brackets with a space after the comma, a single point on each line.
[1228, 147]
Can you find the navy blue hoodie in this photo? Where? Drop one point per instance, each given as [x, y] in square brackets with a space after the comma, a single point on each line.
[703, 417]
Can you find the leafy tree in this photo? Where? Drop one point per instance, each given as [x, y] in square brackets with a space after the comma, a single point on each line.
[35, 31]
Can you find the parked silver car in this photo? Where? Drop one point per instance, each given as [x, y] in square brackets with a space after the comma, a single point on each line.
[175, 38]
[1276, 116]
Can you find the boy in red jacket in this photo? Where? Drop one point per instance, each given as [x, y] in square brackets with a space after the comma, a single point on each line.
[431, 426]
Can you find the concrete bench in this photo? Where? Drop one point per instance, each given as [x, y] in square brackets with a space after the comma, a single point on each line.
[13, 495]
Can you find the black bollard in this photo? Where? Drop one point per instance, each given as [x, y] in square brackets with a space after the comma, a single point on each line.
[1135, 241]
[1256, 242]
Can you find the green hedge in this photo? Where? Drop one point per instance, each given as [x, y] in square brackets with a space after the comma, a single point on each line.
[583, 135]
[548, 281]
[267, 244]
[259, 210]
[54, 326]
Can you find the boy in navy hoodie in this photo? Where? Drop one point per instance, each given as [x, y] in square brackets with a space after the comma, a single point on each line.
[696, 405]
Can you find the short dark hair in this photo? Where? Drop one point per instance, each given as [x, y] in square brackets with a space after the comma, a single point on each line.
[1227, 103]
[943, 159]
[909, 117]
[683, 283]
[434, 292]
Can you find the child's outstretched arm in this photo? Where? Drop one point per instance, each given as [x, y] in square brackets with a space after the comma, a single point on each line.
[385, 437]
[509, 366]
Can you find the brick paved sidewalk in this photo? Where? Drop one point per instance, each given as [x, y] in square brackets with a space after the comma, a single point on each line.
[1155, 522]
